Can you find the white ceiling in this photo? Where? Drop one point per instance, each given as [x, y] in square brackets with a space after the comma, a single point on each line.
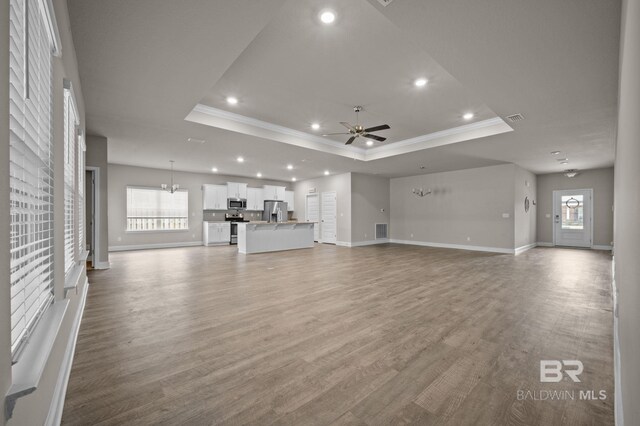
[145, 65]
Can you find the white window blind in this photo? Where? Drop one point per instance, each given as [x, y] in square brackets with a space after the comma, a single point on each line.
[151, 209]
[81, 184]
[70, 153]
[31, 169]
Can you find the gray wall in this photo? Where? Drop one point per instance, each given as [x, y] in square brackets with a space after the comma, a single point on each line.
[33, 409]
[339, 183]
[465, 208]
[121, 176]
[369, 195]
[601, 180]
[627, 206]
[524, 222]
[97, 157]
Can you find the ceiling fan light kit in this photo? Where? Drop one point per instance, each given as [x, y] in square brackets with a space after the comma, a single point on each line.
[357, 130]
[571, 173]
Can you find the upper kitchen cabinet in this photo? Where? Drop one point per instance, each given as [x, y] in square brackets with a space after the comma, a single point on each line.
[273, 193]
[236, 190]
[255, 200]
[214, 197]
[288, 197]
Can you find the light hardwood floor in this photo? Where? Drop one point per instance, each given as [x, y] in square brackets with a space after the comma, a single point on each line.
[387, 334]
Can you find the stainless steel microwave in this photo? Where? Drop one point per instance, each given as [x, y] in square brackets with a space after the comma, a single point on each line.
[236, 204]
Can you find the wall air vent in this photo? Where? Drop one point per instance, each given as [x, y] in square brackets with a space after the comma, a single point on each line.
[384, 2]
[381, 231]
[515, 117]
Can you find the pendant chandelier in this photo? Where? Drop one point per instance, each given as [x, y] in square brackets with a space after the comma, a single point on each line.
[174, 186]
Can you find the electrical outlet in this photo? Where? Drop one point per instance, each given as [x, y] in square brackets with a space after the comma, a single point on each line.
[548, 215]
[411, 235]
[193, 235]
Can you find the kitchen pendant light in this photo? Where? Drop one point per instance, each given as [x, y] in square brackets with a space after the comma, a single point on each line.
[174, 186]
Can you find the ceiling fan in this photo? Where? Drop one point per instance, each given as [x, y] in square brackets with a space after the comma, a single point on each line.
[359, 130]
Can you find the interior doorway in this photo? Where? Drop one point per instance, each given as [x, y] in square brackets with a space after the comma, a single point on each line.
[92, 212]
[573, 217]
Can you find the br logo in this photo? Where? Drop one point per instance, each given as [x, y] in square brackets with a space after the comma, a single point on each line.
[551, 370]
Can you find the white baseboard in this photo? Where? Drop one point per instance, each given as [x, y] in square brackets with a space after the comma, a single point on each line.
[155, 246]
[454, 246]
[101, 265]
[54, 416]
[522, 249]
[362, 243]
[602, 247]
[544, 244]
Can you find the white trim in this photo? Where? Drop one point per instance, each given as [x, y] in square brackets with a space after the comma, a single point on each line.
[49, 16]
[339, 243]
[617, 371]
[101, 265]
[544, 244]
[454, 246]
[522, 249]
[362, 243]
[155, 246]
[57, 402]
[214, 117]
[28, 371]
[601, 247]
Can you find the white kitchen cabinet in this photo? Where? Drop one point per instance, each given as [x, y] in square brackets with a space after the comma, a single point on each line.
[288, 197]
[216, 233]
[273, 193]
[214, 197]
[236, 190]
[255, 200]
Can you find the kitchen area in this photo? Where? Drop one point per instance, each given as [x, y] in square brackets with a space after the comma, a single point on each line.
[257, 220]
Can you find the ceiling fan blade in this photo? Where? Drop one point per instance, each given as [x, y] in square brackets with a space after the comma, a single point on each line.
[348, 126]
[378, 138]
[332, 134]
[376, 128]
[350, 141]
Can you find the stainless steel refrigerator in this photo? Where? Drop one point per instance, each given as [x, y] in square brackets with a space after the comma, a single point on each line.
[275, 211]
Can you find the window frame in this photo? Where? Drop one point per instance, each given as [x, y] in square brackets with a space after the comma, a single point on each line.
[147, 231]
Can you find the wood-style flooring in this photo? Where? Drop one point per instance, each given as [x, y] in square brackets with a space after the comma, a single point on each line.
[388, 334]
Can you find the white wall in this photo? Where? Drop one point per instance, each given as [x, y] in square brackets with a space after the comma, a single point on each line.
[341, 184]
[369, 195]
[600, 180]
[465, 208]
[121, 176]
[627, 206]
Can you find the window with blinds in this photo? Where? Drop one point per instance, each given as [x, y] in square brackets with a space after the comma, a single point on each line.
[151, 209]
[31, 169]
[70, 159]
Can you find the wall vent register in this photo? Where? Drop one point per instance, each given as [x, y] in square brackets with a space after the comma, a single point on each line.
[381, 231]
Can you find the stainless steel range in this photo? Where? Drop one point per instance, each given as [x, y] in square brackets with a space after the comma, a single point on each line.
[234, 218]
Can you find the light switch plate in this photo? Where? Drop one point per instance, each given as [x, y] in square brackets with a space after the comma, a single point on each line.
[505, 215]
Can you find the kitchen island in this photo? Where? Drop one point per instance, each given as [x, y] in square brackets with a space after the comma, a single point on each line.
[262, 237]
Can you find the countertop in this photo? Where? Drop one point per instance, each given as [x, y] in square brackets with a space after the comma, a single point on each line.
[264, 222]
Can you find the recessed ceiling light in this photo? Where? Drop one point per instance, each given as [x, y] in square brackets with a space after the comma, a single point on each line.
[293, 179]
[327, 17]
[240, 160]
[564, 162]
[326, 172]
[420, 82]
[232, 100]
[315, 126]
[369, 143]
[468, 116]
[290, 166]
[214, 169]
[259, 174]
[555, 152]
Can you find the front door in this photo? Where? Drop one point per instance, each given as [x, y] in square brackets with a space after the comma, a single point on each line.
[572, 217]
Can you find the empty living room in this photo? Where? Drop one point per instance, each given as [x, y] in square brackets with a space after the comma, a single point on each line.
[320, 212]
